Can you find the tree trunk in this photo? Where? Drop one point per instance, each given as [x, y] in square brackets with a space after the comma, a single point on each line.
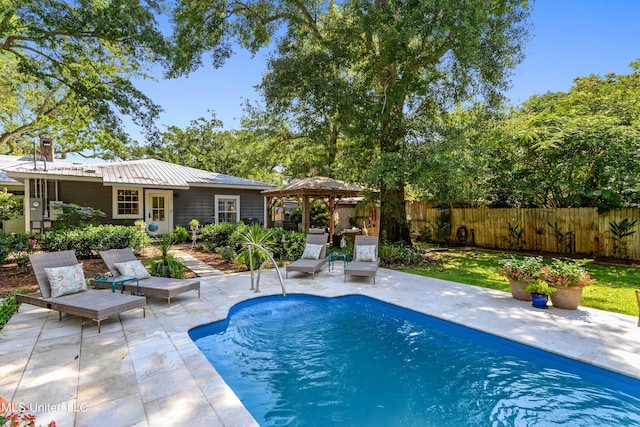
[393, 215]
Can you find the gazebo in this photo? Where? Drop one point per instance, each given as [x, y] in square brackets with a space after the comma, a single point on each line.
[327, 190]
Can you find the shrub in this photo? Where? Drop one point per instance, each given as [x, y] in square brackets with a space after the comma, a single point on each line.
[296, 216]
[425, 234]
[226, 253]
[216, 235]
[73, 215]
[287, 245]
[395, 254]
[7, 244]
[88, 241]
[319, 215]
[180, 234]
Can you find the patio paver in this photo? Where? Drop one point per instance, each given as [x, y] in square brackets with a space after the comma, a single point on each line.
[148, 372]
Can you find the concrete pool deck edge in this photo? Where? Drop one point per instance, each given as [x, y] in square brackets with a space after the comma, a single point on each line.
[148, 372]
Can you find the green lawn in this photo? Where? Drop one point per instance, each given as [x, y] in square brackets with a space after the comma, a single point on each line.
[615, 290]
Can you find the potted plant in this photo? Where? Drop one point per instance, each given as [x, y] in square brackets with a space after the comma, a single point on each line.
[520, 273]
[569, 278]
[540, 292]
[140, 224]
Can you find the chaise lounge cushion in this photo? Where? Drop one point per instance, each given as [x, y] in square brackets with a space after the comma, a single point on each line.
[366, 253]
[311, 251]
[66, 280]
[133, 269]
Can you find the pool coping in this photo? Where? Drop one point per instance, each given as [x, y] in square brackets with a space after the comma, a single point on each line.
[148, 372]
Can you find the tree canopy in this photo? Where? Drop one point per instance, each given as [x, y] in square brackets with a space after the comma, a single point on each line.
[67, 70]
[580, 148]
[372, 68]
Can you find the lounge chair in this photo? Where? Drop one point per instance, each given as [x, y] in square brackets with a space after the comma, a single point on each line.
[365, 258]
[162, 287]
[89, 304]
[313, 257]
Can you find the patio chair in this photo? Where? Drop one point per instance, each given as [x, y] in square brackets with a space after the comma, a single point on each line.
[365, 258]
[80, 301]
[313, 257]
[163, 287]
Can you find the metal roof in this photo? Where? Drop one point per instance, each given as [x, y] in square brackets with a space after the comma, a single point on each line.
[10, 161]
[147, 172]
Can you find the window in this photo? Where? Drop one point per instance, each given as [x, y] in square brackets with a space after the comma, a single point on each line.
[227, 209]
[127, 202]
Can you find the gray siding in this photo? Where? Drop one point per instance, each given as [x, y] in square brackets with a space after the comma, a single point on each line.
[198, 203]
[195, 203]
[92, 194]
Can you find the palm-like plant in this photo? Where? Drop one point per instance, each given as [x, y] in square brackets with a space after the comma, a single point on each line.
[166, 265]
[257, 235]
[620, 231]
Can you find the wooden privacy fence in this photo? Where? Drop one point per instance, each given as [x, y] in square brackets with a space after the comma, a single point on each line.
[581, 231]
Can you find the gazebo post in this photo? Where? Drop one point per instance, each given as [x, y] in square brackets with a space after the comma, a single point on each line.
[330, 202]
[270, 202]
[306, 214]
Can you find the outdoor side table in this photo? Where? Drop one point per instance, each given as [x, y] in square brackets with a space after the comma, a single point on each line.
[333, 256]
[115, 281]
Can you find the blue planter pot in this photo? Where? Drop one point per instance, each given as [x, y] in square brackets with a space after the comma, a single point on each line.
[539, 300]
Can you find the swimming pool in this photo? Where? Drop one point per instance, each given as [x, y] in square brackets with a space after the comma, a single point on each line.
[307, 361]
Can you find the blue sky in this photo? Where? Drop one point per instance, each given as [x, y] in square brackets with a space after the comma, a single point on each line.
[569, 39]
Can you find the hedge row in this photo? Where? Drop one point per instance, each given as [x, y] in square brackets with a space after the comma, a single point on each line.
[88, 241]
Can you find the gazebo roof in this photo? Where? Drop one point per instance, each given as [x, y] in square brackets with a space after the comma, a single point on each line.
[315, 186]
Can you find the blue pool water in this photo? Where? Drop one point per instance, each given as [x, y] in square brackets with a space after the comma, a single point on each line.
[355, 361]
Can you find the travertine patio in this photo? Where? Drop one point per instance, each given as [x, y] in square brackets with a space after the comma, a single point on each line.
[147, 371]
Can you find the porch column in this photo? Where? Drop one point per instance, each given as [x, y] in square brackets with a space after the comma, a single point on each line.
[27, 204]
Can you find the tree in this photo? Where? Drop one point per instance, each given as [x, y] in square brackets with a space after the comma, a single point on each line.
[203, 145]
[456, 163]
[580, 148]
[401, 61]
[10, 206]
[71, 68]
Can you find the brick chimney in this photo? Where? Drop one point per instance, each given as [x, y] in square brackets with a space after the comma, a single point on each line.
[46, 149]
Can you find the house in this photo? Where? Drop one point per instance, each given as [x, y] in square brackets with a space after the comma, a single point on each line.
[158, 192]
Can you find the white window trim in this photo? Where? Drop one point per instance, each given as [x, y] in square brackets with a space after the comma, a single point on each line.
[226, 196]
[114, 203]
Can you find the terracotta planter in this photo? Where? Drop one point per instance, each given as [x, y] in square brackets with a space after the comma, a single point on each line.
[567, 298]
[517, 290]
